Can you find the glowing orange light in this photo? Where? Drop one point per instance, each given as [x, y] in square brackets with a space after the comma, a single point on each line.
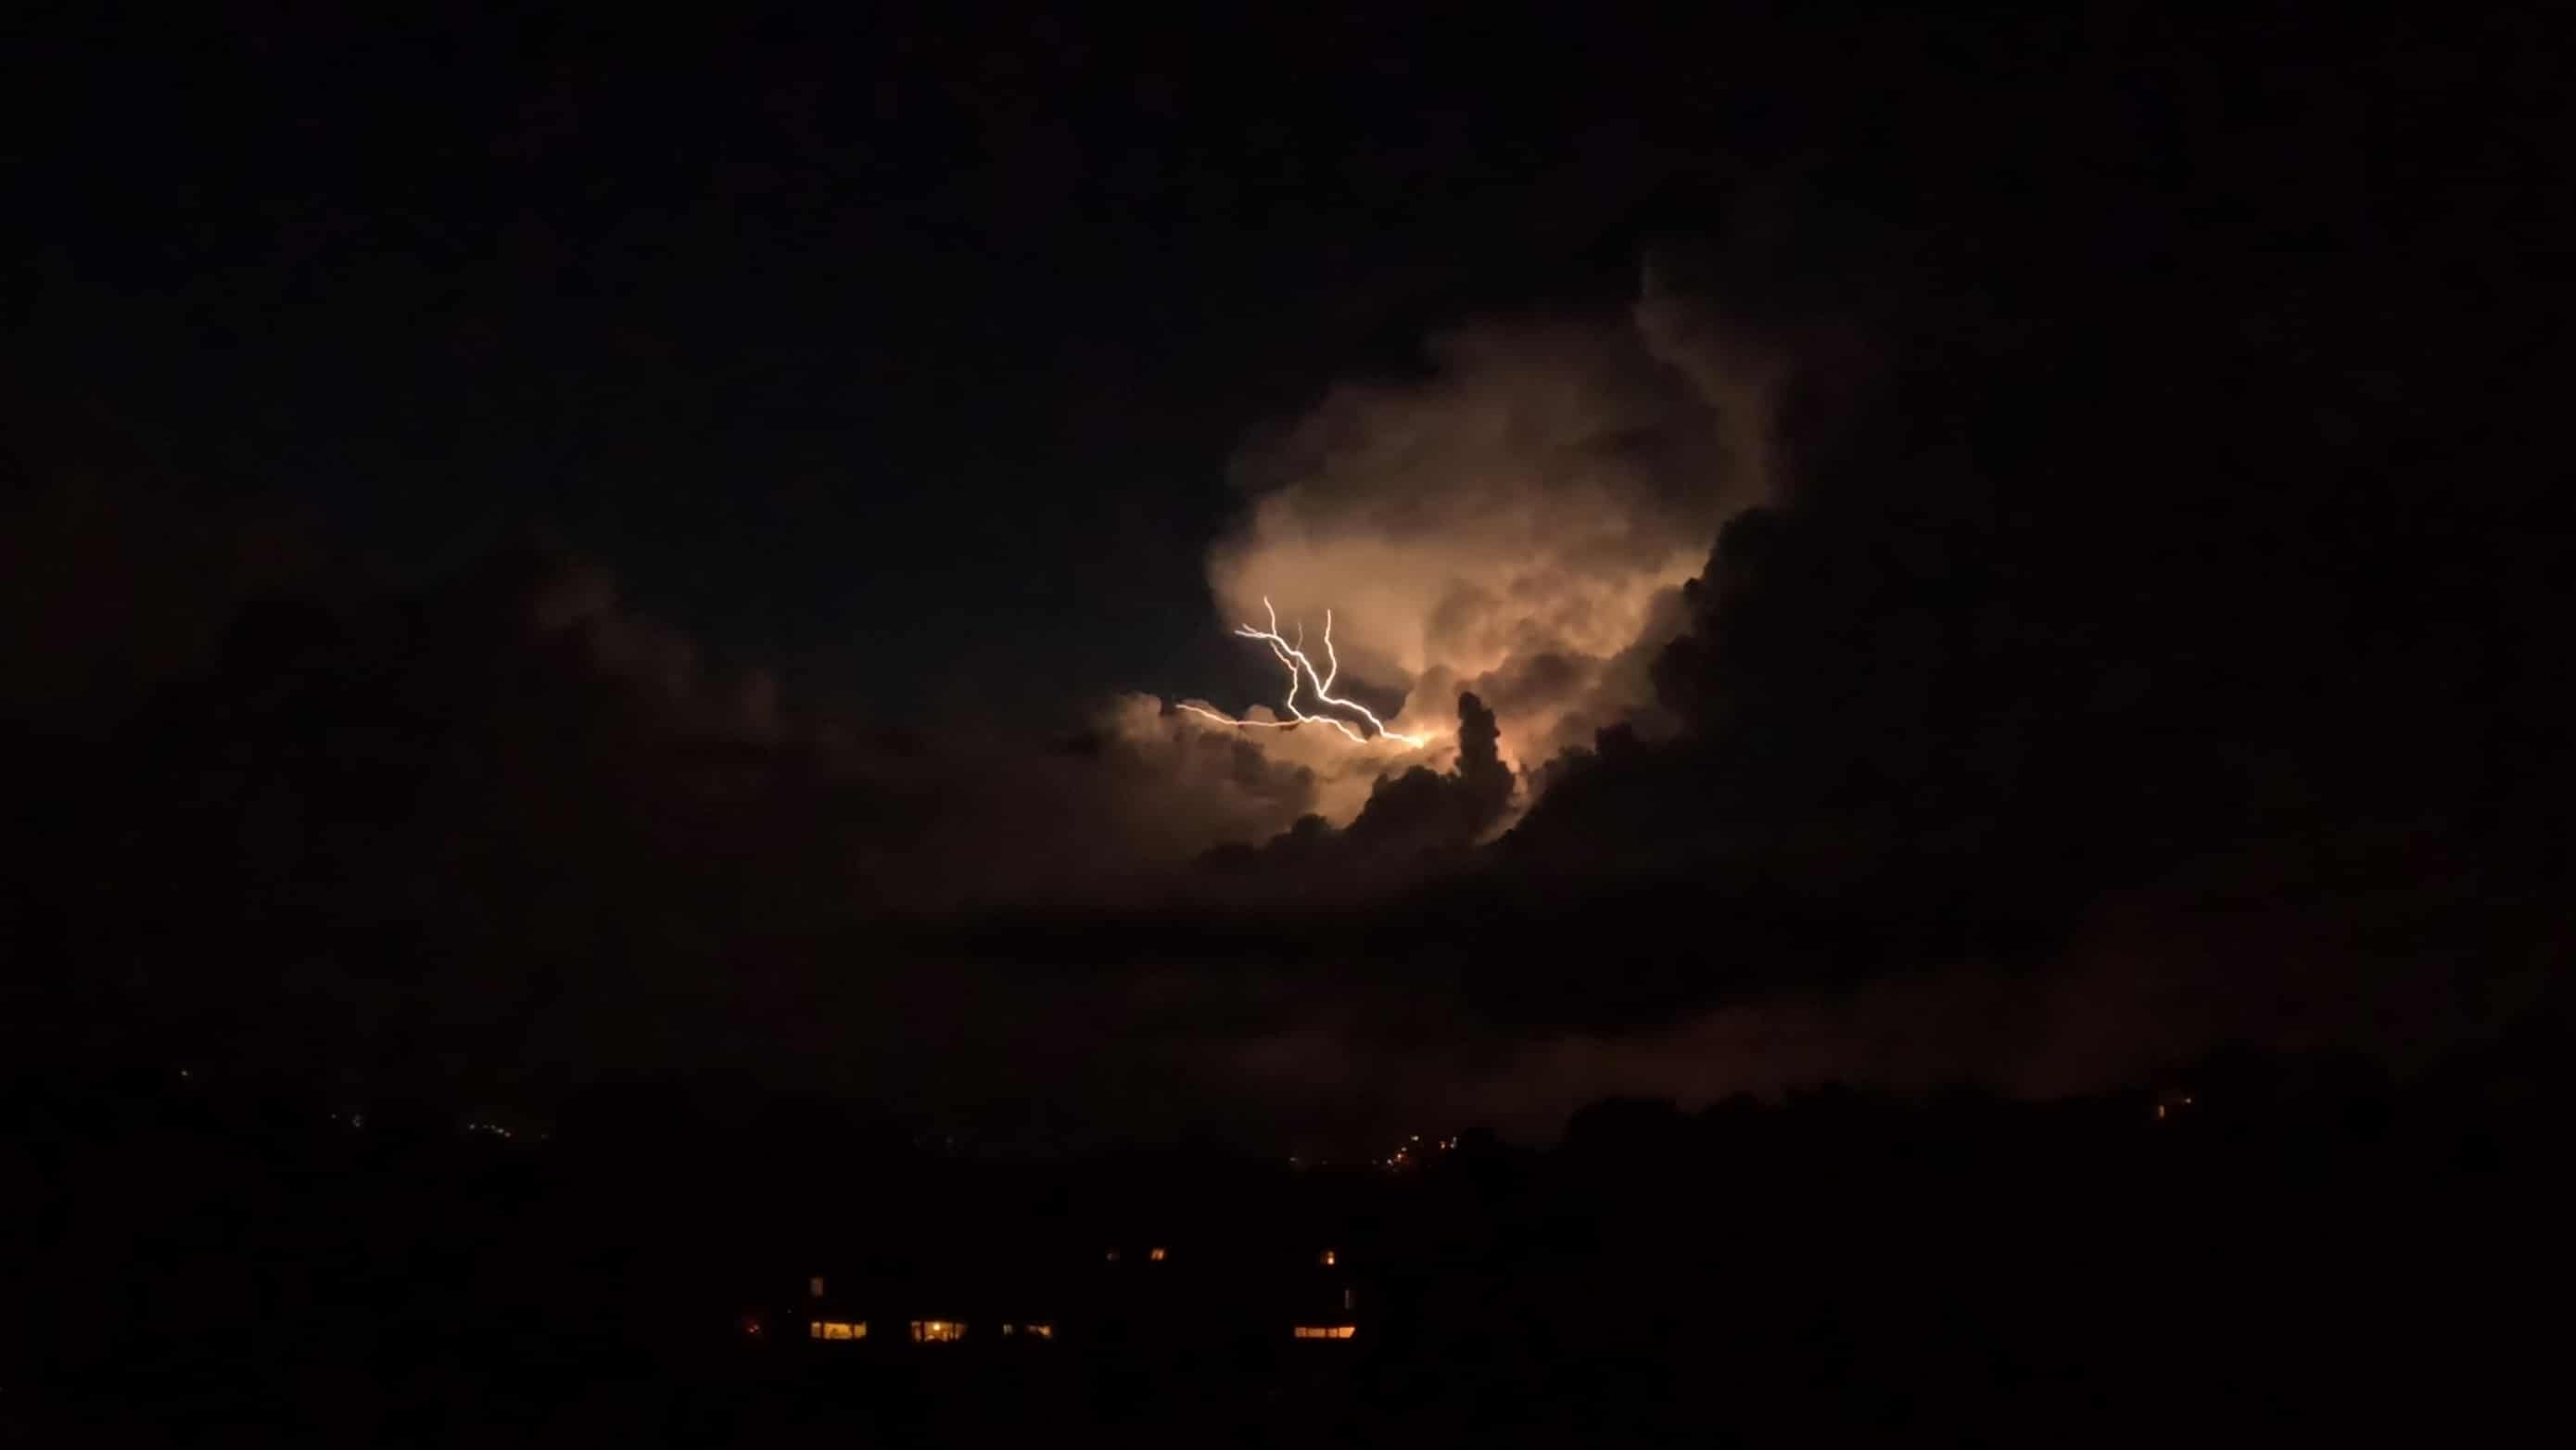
[1294, 657]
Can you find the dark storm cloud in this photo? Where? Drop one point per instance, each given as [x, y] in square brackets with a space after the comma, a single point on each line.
[2144, 630]
[509, 829]
[2137, 650]
[1413, 824]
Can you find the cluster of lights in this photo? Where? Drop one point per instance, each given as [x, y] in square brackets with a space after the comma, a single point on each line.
[1412, 1152]
[1300, 667]
[950, 1331]
[493, 1128]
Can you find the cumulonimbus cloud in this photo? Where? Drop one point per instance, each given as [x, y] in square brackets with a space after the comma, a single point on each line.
[1516, 523]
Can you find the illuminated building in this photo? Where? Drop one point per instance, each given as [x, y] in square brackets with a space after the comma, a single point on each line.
[836, 1329]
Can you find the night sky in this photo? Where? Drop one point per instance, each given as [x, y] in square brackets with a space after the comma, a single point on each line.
[1919, 550]
[791, 320]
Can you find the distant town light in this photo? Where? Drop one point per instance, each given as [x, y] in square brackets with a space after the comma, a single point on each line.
[937, 1331]
[814, 1287]
[1155, 1254]
[837, 1329]
[1113, 1256]
[1326, 1331]
[1326, 1258]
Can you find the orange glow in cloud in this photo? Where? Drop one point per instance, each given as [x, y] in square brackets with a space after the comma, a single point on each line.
[1516, 520]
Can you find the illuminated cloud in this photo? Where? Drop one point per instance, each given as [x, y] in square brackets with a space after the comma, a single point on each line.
[1517, 524]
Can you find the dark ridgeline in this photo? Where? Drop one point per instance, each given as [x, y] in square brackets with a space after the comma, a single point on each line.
[2264, 1245]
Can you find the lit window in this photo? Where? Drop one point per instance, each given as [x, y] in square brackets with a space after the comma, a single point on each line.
[813, 1329]
[1113, 1256]
[1350, 1298]
[1009, 1329]
[1326, 1331]
[1325, 1258]
[814, 1287]
[1042, 1331]
[937, 1331]
[1155, 1254]
[836, 1329]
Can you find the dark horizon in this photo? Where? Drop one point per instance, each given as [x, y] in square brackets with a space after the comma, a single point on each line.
[2273, 1248]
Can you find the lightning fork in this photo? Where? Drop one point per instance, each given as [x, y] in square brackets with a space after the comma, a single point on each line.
[1294, 657]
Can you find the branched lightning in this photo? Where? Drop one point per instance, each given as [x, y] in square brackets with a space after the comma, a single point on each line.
[1294, 657]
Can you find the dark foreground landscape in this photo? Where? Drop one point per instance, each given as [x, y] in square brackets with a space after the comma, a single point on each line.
[2266, 1246]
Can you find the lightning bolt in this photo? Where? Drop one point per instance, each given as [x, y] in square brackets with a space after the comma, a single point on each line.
[1301, 669]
